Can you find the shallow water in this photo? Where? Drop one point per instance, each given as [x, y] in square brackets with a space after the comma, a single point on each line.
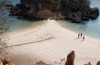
[16, 24]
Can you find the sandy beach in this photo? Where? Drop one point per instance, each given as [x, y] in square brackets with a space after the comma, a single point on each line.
[51, 43]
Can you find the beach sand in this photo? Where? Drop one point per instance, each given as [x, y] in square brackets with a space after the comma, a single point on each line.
[51, 43]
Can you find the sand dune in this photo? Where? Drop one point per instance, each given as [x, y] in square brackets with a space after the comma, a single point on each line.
[51, 43]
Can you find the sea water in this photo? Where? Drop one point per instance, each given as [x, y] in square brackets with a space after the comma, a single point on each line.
[16, 24]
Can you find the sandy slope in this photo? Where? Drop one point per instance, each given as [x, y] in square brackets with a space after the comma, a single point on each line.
[51, 43]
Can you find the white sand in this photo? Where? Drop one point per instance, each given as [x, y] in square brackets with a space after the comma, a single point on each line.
[51, 43]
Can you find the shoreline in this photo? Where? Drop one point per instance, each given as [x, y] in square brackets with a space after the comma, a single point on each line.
[38, 25]
[78, 31]
[53, 50]
[28, 27]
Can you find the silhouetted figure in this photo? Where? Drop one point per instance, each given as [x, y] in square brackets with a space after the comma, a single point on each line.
[78, 35]
[81, 34]
[83, 38]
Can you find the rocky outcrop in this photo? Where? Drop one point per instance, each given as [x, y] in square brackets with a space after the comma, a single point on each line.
[70, 58]
[7, 61]
[75, 18]
[75, 10]
[44, 14]
[98, 63]
[79, 11]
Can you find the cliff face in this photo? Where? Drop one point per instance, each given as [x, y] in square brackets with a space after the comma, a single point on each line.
[75, 10]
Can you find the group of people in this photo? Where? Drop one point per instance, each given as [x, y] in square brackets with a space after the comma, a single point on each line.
[80, 35]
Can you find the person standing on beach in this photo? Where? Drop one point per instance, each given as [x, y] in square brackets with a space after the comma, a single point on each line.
[78, 35]
[81, 34]
[83, 38]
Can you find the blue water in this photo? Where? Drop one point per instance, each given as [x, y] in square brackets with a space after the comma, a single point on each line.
[91, 28]
[15, 24]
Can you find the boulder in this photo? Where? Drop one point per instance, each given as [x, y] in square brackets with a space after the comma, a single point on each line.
[98, 63]
[70, 58]
[7, 61]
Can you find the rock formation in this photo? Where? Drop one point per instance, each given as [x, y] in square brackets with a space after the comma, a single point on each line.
[98, 63]
[75, 10]
[70, 58]
[7, 61]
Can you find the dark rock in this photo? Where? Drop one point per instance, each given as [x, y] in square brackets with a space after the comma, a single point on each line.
[98, 63]
[75, 18]
[74, 5]
[8, 5]
[7, 61]
[85, 18]
[75, 10]
[44, 14]
[70, 58]
[94, 13]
